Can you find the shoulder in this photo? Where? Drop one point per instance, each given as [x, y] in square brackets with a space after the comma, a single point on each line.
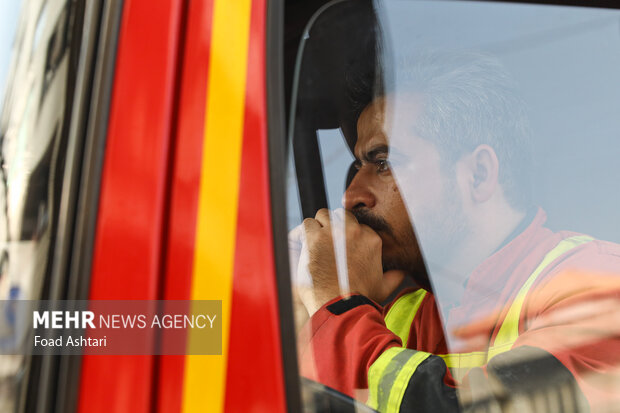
[411, 295]
[588, 272]
[596, 256]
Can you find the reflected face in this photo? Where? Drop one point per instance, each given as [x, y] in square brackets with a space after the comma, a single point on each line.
[399, 178]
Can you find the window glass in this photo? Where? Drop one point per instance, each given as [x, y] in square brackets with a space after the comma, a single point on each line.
[457, 163]
[36, 92]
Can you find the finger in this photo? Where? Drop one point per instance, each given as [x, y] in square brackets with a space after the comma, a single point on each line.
[337, 215]
[311, 225]
[350, 219]
[371, 233]
[322, 216]
[296, 236]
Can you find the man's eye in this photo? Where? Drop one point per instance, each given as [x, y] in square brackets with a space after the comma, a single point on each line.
[382, 165]
[357, 165]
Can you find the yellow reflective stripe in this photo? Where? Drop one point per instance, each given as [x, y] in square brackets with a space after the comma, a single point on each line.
[400, 316]
[461, 363]
[465, 360]
[509, 330]
[375, 372]
[205, 376]
[499, 349]
[389, 376]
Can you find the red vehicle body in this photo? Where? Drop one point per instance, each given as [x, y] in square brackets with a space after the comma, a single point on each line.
[198, 72]
[173, 189]
[180, 203]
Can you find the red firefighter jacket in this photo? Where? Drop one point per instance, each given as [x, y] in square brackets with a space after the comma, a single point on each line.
[567, 350]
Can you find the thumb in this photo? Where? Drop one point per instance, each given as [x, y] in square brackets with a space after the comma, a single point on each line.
[391, 280]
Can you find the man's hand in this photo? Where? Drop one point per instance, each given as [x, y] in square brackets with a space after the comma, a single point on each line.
[363, 254]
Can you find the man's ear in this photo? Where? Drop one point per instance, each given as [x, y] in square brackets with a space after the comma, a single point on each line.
[484, 170]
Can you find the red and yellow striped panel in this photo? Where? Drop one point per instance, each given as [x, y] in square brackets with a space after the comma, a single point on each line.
[131, 218]
[219, 244]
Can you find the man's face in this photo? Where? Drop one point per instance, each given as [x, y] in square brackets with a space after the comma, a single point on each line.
[399, 176]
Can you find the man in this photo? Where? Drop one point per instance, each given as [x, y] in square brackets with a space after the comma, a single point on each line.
[509, 316]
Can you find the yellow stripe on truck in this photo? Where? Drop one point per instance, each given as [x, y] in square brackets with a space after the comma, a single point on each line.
[205, 376]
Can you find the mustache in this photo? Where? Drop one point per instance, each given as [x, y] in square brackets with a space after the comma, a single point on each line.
[377, 223]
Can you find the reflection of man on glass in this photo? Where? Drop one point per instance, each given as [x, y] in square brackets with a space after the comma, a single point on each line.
[511, 314]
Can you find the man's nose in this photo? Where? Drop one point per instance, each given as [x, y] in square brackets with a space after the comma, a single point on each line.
[358, 193]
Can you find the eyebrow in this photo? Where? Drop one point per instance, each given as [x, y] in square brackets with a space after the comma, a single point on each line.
[371, 155]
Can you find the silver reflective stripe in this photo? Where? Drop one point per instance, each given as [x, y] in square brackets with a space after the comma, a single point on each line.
[389, 376]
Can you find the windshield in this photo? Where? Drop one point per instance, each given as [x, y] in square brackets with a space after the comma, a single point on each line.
[456, 164]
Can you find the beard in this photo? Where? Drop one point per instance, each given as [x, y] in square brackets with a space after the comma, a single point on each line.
[405, 253]
[377, 223]
[439, 231]
[442, 229]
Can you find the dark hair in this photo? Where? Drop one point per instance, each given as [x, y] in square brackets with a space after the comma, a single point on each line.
[468, 99]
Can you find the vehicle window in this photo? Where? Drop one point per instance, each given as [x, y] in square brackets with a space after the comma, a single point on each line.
[456, 166]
